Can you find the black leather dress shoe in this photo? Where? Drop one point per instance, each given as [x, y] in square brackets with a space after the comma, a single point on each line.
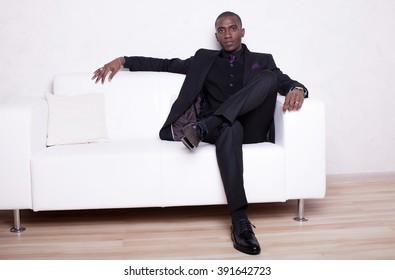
[243, 237]
[192, 135]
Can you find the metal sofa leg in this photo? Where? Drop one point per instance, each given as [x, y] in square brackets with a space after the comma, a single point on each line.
[17, 228]
[301, 217]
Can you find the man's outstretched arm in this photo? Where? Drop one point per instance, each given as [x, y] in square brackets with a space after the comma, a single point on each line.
[140, 63]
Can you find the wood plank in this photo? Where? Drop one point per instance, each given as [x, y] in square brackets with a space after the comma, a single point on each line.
[354, 221]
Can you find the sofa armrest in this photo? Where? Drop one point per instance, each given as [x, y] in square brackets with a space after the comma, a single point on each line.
[303, 135]
[23, 126]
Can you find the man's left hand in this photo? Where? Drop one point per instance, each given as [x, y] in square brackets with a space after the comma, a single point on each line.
[293, 100]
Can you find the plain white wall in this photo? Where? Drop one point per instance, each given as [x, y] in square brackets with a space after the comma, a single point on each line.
[343, 51]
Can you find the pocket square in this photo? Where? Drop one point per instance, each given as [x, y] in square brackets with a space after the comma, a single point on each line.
[256, 66]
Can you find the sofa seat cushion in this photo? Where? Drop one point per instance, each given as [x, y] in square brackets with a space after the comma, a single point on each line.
[145, 173]
[193, 178]
[117, 174]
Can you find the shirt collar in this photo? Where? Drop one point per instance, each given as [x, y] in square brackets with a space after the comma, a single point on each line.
[237, 54]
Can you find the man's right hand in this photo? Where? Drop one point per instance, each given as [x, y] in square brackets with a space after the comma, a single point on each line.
[113, 67]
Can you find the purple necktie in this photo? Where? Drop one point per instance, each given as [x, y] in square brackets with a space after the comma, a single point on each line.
[232, 58]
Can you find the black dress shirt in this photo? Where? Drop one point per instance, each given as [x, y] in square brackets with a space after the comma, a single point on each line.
[224, 79]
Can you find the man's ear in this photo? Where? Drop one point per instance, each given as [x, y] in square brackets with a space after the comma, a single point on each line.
[243, 32]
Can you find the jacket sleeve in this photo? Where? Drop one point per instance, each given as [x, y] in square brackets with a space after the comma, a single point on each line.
[285, 83]
[141, 63]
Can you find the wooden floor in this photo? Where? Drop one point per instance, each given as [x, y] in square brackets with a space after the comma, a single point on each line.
[354, 221]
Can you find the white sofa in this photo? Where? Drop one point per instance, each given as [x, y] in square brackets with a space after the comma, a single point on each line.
[134, 168]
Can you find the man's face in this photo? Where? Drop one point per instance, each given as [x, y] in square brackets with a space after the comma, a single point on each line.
[229, 33]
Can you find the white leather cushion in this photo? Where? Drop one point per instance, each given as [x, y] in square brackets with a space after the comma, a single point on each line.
[76, 119]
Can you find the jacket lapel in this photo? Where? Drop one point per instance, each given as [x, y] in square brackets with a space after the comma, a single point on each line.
[193, 84]
[248, 63]
[206, 62]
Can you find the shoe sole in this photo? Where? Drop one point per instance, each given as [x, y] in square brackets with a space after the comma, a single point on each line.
[187, 144]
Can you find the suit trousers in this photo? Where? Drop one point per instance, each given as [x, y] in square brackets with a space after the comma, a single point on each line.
[249, 114]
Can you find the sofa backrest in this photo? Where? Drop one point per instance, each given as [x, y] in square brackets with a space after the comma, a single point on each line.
[136, 103]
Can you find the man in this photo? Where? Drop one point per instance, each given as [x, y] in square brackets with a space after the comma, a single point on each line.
[227, 99]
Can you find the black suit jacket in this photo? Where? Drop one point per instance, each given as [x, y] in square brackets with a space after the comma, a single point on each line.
[196, 69]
